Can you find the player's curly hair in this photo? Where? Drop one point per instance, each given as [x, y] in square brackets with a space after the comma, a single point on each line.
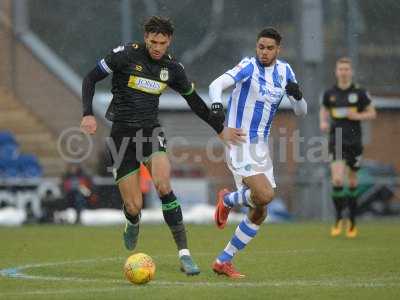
[157, 24]
[270, 32]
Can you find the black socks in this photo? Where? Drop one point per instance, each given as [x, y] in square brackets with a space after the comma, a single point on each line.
[339, 201]
[352, 202]
[173, 217]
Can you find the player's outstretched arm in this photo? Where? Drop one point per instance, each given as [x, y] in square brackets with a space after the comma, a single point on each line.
[88, 124]
[198, 106]
[213, 118]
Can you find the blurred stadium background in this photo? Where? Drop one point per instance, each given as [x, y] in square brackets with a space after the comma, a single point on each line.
[46, 46]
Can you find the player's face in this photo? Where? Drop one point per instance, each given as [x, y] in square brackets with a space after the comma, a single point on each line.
[344, 72]
[157, 44]
[267, 51]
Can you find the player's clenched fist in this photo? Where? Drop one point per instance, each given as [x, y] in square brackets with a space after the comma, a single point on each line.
[217, 112]
[293, 89]
[89, 125]
[232, 135]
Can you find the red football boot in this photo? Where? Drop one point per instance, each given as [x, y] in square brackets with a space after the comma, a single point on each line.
[221, 210]
[226, 268]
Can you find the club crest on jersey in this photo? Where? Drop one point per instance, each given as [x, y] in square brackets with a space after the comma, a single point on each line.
[138, 68]
[332, 98]
[164, 75]
[353, 98]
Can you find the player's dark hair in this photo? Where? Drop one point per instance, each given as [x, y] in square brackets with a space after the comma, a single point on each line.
[271, 33]
[157, 24]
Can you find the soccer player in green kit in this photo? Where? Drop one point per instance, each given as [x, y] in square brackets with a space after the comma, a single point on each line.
[141, 72]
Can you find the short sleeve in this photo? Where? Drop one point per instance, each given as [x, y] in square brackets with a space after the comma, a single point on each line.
[365, 99]
[241, 71]
[114, 61]
[180, 83]
[325, 100]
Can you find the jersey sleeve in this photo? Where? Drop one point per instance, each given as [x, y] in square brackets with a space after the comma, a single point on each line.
[241, 71]
[365, 99]
[180, 82]
[290, 76]
[325, 100]
[114, 61]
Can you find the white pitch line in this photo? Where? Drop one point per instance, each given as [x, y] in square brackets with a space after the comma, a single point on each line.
[103, 259]
[16, 272]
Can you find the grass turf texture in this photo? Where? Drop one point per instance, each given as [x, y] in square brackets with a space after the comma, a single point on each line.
[290, 261]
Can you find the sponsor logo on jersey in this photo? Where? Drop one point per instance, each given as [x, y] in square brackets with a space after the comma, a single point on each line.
[146, 85]
[164, 75]
[353, 98]
[342, 112]
[276, 95]
[138, 68]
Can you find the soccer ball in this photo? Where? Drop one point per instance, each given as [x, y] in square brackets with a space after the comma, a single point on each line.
[139, 268]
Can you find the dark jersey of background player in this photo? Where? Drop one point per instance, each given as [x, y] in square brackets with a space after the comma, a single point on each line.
[137, 83]
[338, 102]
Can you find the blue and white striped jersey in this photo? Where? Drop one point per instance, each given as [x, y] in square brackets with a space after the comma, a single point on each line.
[256, 97]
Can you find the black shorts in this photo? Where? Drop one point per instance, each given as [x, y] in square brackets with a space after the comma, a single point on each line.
[128, 147]
[351, 154]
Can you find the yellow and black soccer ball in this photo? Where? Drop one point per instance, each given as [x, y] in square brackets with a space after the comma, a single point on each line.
[139, 268]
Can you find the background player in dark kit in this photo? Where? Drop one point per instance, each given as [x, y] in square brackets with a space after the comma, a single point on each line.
[346, 104]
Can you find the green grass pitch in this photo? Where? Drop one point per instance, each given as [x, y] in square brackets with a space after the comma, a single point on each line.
[285, 261]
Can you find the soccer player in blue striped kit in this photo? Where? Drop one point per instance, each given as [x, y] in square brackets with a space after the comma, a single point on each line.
[260, 83]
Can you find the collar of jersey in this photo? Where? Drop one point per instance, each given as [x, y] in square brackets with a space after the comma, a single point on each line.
[345, 90]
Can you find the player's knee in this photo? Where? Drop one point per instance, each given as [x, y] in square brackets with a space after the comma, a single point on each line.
[163, 187]
[263, 197]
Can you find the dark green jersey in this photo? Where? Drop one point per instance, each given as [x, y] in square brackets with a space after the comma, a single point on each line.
[137, 83]
[339, 102]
